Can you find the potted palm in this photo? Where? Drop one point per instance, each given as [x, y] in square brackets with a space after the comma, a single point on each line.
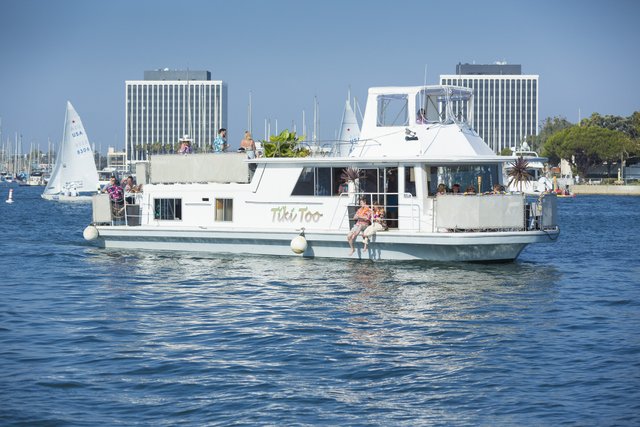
[518, 172]
[351, 176]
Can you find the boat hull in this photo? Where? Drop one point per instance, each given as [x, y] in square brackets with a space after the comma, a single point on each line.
[471, 247]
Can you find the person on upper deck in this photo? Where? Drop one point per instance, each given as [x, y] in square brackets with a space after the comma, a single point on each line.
[185, 145]
[363, 219]
[455, 189]
[249, 145]
[220, 143]
[470, 190]
[442, 189]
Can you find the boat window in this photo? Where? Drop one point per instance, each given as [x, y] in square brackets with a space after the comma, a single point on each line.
[410, 180]
[429, 108]
[167, 209]
[434, 107]
[304, 186]
[393, 110]
[224, 209]
[317, 182]
[481, 177]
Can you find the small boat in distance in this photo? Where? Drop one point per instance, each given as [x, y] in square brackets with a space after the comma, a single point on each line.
[74, 177]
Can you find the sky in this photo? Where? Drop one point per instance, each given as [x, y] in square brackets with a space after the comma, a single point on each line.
[285, 53]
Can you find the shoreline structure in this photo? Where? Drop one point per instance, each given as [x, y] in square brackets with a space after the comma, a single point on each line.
[608, 190]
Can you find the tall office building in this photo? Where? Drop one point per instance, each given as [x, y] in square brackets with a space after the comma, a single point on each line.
[505, 102]
[169, 104]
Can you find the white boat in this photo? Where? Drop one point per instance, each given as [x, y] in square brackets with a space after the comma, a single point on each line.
[35, 178]
[226, 203]
[349, 131]
[538, 183]
[74, 177]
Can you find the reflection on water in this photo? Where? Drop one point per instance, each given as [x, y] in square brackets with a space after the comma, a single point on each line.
[91, 336]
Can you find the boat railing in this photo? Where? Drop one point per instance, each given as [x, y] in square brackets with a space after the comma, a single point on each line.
[391, 210]
[494, 212]
[125, 212]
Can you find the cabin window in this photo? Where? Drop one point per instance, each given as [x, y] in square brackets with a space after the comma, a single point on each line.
[481, 177]
[410, 180]
[429, 108]
[393, 110]
[167, 209]
[317, 182]
[224, 209]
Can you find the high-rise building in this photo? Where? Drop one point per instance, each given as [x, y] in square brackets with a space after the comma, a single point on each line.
[505, 102]
[169, 104]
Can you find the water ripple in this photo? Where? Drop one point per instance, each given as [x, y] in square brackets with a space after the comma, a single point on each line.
[91, 336]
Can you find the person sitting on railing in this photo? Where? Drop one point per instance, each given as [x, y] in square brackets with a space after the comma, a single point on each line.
[377, 224]
[363, 219]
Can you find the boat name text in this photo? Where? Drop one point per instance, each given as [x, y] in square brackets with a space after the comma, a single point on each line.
[285, 214]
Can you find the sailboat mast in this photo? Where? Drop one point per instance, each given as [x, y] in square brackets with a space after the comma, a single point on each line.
[250, 116]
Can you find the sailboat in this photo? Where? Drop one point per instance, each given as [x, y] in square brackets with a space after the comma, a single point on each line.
[74, 177]
[349, 130]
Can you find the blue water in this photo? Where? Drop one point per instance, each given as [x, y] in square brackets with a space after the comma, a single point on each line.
[100, 337]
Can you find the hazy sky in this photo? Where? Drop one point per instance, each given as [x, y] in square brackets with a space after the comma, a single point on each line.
[587, 54]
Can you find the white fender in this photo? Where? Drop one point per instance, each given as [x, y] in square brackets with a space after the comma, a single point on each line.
[298, 244]
[90, 233]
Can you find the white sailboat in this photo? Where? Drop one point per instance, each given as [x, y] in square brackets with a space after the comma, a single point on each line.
[349, 130]
[74, 177]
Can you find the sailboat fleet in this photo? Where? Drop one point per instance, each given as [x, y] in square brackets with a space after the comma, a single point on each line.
[412, 139]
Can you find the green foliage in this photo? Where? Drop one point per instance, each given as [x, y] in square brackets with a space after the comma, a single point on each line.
[625, 125]
[588, 146]
[506, 152]
[286, 144]
[550, 126]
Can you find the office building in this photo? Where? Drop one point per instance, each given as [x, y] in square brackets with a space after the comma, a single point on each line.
[505, 102]
[169, 104]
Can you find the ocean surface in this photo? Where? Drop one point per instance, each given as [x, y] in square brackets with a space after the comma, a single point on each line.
[101, 337]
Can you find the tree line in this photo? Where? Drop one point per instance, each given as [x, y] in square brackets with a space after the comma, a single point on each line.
[592, 142]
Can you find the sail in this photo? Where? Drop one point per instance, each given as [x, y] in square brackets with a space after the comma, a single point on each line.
[349, 132]
[75, 168]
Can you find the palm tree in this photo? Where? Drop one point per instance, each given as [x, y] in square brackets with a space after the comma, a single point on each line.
[518, 172]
